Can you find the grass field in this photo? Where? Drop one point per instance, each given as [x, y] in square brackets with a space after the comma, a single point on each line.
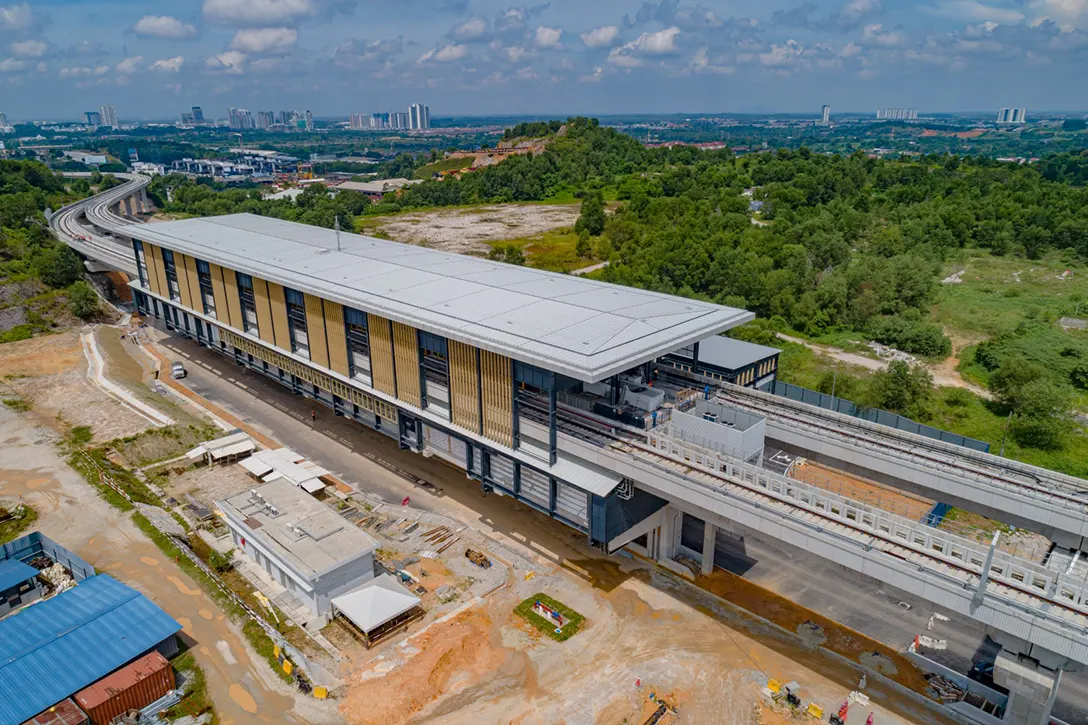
[553, 250]
[573, 626]
[997, 293]
[426, 172]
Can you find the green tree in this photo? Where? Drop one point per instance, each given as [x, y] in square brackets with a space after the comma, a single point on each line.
[1079, 375]
[82, 300]
[592, 216]
[1007, 383]
[1043, 415]
[509, 253]
[901, 388]
[58, 266]
[583, 247]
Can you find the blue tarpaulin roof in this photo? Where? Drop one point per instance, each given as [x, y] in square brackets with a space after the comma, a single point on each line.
[59, 646]
[13, 573]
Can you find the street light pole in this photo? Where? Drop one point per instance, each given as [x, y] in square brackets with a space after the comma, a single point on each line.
[834, 380]
[1004, 435]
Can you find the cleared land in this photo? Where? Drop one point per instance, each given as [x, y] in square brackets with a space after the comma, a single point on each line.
[468, 230]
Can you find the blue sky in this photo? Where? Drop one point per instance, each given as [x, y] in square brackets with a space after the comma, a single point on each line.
[153, 58]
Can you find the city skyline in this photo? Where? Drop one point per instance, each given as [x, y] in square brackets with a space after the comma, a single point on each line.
[481, 57]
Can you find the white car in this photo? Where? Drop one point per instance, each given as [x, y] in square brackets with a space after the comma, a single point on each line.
[178, 371]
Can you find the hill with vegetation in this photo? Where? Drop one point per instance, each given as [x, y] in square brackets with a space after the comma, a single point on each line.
[41, 285]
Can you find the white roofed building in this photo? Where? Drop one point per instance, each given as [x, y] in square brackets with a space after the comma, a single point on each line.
[302, 544]
[525, 379]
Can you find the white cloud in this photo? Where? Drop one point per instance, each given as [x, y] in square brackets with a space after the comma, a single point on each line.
[10, 65]
[16, 18]
[527, 74]
[976, 11]
[130, 65]
[546, 37]
[849, 50]
[471, 29]
[168, 65]
[512, 53]
[264, 40]
[702, 63]
[231, 61]
[601, 37]
[782, 56]
[876, 35]
[867, 74]
[1069, 14]
[663, 41]
[853, 12]
[83, 71]
[256, 12]
[594, 77]
[29, 48]
[446, 54]
[163, 26]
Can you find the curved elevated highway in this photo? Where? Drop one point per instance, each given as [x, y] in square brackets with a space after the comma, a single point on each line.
[90, 226]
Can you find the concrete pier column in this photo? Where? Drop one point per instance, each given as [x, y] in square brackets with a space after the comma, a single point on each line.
[710, 536]
[669, 542]
[145, 203]
[1032, 689]
[128, 206]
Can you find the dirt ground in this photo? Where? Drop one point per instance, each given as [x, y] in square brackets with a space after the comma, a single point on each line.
[467, 231]
[863, 490]
[243, 688]
[486, 665]
[209, 484]
[50, 373]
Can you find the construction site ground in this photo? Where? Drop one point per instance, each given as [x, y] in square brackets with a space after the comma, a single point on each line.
[862, 490]
[467, 230]
[484, 664]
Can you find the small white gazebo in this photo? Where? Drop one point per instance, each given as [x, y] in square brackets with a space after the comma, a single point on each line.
[378, 607]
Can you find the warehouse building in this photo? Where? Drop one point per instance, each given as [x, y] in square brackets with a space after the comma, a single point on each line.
[302, 544]
[58, 647]
[535, 384]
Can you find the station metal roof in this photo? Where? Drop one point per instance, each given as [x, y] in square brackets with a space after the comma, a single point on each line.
[61, 645]
[586, 329]
[730, 354]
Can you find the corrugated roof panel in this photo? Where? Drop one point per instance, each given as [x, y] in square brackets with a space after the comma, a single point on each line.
[483, 304]
[14, 572]
[61, 645]
[379, 276]
[554, 287]
[538, 319]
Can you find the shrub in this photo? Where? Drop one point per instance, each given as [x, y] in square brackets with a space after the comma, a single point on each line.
[914, 336]
[82, 300]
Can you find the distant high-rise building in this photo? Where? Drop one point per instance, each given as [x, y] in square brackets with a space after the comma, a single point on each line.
[3, 120]
[358, 121]
[94, 118]
[825, 114]
[285, 117]
[398, 120]
[240, 118]
[198, 114]
[1012, 115]
[419, 117]
[897, 114]
[265, 119]
[309, 121]
[108, 116]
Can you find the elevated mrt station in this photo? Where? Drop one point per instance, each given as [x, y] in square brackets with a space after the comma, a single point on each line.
[539, 385]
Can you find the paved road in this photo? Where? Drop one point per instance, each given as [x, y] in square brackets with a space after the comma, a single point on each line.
[370, 460]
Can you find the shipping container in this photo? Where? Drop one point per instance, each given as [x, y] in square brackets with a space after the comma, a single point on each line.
[133, 687]
[64, 712]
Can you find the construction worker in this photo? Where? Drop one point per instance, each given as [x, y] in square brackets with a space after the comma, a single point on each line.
[313, 415]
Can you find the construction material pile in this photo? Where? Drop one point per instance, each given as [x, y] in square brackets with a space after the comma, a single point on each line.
[59, 577]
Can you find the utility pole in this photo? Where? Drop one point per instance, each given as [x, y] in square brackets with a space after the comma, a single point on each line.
[1005, 434]
[834, 380]
[337, 227]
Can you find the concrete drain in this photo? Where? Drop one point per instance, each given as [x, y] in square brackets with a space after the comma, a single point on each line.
[904, 605]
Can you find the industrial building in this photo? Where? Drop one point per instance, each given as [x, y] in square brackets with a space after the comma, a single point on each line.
[60, 646]
[302, 544]
[727, 360]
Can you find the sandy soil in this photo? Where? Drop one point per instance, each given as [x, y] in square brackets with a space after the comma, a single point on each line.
[467, 231]
[863, 490]
[50, 373]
